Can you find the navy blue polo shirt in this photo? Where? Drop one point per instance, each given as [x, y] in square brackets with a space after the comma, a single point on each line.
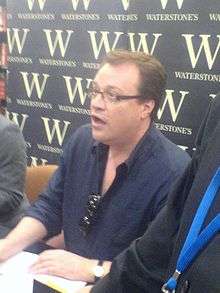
[136, 195]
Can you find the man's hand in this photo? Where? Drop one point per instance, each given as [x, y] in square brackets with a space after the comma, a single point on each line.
[64, 264]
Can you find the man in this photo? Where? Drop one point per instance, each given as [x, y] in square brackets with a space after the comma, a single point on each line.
[168, 244]
[12, 175]
[113, 177]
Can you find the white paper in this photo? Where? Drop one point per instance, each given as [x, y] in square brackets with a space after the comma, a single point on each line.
[16, 283]
[14, 276]
[60, 284]
[18, 264]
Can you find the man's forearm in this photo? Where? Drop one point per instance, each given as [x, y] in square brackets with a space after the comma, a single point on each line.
[27, 232]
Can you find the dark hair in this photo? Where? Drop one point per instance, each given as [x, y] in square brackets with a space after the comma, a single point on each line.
[152, 73]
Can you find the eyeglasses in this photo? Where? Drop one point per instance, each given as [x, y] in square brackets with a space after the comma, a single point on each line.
[108, 95]
[91, 213]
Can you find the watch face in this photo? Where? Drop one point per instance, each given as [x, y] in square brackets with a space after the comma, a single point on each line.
[98, 271]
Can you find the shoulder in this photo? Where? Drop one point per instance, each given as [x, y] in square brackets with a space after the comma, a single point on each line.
[80, 140]
[170, 154]
[12, 145]
[81, 134]
[5, 123]
[10, 132]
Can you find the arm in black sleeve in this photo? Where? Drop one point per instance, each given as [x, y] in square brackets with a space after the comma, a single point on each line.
[12, 169]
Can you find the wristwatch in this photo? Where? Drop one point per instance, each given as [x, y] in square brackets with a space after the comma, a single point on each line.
[98, 270]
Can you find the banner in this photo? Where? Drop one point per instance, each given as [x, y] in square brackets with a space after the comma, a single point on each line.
[3, 57]
[55, 48]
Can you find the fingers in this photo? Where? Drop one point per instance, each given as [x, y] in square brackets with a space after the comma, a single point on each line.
[44, 266]
[53, 262]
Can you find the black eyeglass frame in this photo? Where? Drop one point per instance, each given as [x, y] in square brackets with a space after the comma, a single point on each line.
[93, 92]
[118, 98]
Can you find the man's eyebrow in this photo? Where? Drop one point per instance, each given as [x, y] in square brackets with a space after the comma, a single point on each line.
[114, 88]
[109, 87]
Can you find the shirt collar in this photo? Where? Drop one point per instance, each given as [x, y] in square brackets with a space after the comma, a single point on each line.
[145, 145]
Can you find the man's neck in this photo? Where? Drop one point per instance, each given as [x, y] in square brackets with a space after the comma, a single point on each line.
[120, 152]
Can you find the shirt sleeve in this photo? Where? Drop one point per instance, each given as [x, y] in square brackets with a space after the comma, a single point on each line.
[48, 208]
[12, 169]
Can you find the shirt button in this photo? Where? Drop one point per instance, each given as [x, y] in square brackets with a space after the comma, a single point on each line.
[185, 288]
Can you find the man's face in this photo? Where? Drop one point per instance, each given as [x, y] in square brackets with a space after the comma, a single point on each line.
[117, 122]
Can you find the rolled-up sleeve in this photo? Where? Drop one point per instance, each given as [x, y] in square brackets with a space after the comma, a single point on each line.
[48, 208]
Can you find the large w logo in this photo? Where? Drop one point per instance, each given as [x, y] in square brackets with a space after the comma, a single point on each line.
[126, 4]
[78, 88]
[34, 82]
[17, 118]
[204, 45]
[164, 3]
[18, 37]
[58, 41]
[35, 161]
[104, 41]
[169, 100]
[55, 130]
[143, 42]
[41, 4]
[85, 3]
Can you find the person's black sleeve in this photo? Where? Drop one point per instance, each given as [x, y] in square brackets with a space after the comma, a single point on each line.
[12, 170]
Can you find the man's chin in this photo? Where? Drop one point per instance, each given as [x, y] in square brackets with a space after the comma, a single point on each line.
[100, 137]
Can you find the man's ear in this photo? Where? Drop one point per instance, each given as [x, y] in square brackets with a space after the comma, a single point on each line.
[147, 108]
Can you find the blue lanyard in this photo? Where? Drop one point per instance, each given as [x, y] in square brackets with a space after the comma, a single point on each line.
[196, 240]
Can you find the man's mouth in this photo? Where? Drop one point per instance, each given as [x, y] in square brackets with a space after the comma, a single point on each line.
[96, 120]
